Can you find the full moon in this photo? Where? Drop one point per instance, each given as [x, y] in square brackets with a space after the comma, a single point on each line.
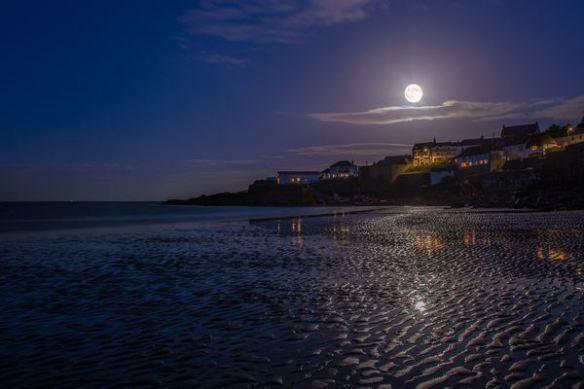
[413, 93]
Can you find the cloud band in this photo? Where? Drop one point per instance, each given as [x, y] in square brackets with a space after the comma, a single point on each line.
[453, 109]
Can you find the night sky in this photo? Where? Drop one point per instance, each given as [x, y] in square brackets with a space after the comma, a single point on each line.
[147, 100]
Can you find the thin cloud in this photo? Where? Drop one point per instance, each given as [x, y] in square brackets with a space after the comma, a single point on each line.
[222, 162]
[353, 150]
[216, 58]
[566, 110]
[69, 167]
[453, 109]
[272, 21]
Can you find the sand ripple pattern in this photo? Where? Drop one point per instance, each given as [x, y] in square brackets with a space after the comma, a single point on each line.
[408, 298]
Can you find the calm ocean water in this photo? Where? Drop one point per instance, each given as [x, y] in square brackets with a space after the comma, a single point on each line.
[37, 216]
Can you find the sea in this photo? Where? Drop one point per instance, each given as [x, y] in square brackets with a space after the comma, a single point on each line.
[150, 295]
[47, 216]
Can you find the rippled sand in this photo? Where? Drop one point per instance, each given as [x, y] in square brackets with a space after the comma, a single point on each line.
[414, 297]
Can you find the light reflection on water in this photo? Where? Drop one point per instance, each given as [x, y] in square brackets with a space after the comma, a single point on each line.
[420, 306]
[470, 237]
[429, 242]
[432, 242]
[296, 227]
[291, 227]
[340, 228]
[552, 254]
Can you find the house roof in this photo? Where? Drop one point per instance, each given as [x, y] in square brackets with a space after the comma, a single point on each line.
[299, 172]
[472, 141]
[475, 150]
[492, 143]
[418, 146]
[522, 131]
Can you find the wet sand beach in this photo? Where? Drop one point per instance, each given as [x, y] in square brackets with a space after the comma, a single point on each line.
[407, 297]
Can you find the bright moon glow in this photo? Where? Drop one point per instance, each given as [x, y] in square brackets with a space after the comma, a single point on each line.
[413, 93]
[420, 306]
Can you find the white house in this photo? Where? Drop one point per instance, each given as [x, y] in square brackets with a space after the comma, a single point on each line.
[297, 177]
[570, 136]
[341, 169]
[540, 144]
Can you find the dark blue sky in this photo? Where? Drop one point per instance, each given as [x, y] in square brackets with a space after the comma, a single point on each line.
[145, 100]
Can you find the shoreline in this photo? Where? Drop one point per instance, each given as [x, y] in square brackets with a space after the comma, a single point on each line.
[327, 214]
[503, 206]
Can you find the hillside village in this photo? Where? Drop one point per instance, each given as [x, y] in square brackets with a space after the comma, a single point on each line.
[523, 167]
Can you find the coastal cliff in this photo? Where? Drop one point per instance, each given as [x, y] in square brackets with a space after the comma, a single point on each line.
[528, 188]
[552, 182]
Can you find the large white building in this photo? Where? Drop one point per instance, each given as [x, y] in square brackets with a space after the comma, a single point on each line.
[434, 153]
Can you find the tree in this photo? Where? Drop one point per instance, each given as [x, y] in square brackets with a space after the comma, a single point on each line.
[556, 131]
